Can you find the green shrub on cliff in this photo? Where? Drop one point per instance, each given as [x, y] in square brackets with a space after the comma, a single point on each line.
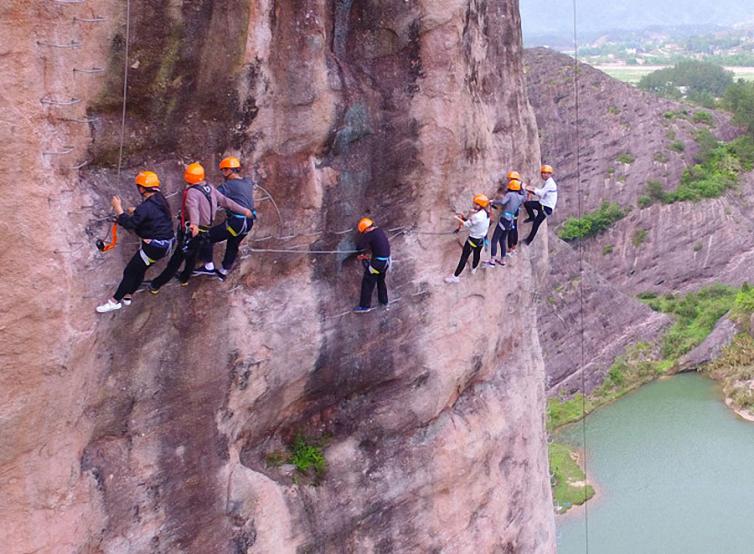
[592, 224]
[568, 479]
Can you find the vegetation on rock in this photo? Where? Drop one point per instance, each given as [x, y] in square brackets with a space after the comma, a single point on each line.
[569, 485]
[591, 224]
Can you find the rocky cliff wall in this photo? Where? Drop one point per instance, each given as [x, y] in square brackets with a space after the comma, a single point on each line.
[147, 430]
[661, 248]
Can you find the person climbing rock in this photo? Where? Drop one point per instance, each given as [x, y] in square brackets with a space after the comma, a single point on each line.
[152, 222]
[508, 204]
[198, 207]
[375, 264]
[478, 223]
[236, 226]
[548, 198]
[513, 233]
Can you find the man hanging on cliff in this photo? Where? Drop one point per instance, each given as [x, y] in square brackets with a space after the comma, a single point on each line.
[375, 266]
[200, 202]
[548, 198]
[236, 226]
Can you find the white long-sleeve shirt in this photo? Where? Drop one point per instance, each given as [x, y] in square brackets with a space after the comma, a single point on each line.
[548, 194]
[478, 224]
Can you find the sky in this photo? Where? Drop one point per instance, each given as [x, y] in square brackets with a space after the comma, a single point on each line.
[555, 17]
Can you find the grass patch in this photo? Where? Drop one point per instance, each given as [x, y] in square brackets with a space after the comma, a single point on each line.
[626, 158]
[591, 224]
[660, 157]
[607, 249]
[644, 201]
[677, 146]
[639, 237]
[305, 454]
[695, 314]
[567, 477]
[704, 117]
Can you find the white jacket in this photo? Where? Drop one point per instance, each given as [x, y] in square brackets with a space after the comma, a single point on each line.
[548, 194]
[478, 224]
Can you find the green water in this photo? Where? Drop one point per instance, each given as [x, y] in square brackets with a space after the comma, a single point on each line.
[674, 473]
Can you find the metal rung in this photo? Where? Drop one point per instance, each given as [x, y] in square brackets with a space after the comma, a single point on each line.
[69, 1]
[53, 102]
[87, 119]
[72, 44]
[89, 70]
[82, 164]
[66, 150]
[95, 19]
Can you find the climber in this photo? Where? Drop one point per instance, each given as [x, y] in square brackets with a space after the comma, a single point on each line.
[508, 205]
[199, 204]
[478, 224]
[513, 233]
[548, 198]
[375, 266]
[152, 222]
[236, 226]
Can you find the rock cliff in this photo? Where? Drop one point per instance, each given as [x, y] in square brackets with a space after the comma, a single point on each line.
[627, 138]
[150, 429]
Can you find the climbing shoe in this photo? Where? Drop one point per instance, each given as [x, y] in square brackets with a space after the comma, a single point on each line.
[500, 262]
[221, 274]
[361, 310]
[204, 271]
[127, 301]
[489, 264]
[109, 306]
[153, 290]
[452, 279]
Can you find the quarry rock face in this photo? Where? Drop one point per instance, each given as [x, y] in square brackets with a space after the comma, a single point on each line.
[152, 429]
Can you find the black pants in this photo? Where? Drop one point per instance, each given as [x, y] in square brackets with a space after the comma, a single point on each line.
[542, 213]
[513, 236]
[187, 252]
[240, 227]
[134, 272]
[370, 279]
[500, 236]
[474, 245]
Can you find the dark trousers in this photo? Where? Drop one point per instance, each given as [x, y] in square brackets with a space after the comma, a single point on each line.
[186, 252]
[134, 272]
[369, 280]
[542, 213]
[233, 230]
[513, 237]
[474, 245]
[500, 236]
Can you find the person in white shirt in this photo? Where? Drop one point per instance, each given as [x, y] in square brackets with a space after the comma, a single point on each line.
[548, 198]
[478, 224]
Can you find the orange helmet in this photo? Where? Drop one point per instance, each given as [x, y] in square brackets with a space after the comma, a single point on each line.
[230, 163]
[546, 169]
[364, 224]
[194, 173]
[481, 200]
[514, 184]
[514, 175]
[148, 180]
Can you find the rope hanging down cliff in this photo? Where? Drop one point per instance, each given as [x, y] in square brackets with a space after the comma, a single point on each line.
[581, 273]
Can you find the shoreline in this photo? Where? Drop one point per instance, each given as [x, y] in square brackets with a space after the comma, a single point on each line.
[740, 412]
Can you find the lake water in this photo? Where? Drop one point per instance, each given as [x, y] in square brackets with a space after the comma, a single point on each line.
[674, 473]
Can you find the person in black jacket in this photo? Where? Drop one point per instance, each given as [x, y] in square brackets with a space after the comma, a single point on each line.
[236, 226]
[152, 222]
[376, 267]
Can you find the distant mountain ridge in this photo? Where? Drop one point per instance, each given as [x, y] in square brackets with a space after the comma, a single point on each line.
[545, 21]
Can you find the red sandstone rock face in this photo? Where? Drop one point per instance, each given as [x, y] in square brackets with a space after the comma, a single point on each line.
[146, 430]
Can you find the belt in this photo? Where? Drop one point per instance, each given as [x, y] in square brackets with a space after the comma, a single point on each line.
[381, 259]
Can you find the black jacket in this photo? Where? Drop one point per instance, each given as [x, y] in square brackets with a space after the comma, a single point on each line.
[151, 220]
[376, 241]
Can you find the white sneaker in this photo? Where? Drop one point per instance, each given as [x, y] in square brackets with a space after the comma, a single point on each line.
[452, 279]
[473, 269]
[489, 264]
[109, 306]
[126, 301]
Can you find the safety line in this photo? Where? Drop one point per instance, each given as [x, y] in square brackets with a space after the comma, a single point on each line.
[125, 89]
[581, 275]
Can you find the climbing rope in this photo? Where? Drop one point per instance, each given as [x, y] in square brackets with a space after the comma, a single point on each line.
[125, 89]
[581, 274]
